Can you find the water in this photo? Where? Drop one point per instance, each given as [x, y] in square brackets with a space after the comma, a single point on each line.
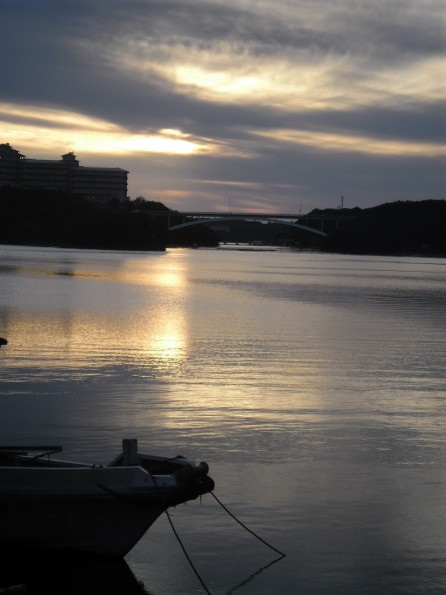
[313, 385]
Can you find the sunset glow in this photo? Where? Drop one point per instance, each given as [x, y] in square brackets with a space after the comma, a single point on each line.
[56, 128]
[356, 144]
[279, 104]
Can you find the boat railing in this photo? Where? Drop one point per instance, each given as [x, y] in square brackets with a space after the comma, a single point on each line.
[21, 450]
[26, 454]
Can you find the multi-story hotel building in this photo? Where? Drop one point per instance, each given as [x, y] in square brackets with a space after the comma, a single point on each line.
[95, 183]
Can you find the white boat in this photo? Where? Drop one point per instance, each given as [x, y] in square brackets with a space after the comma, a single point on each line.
[52, 504]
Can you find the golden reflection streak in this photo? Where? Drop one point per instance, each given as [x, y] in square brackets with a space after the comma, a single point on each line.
[154, 272]
[111, 341]
[162, 337]
[168, 340]
[86, 342]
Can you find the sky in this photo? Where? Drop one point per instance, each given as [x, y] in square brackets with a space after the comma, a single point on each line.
[239, 105]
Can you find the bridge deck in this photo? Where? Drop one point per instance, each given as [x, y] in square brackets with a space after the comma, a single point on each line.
[228, 215]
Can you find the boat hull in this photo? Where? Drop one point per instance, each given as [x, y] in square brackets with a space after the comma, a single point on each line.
[61, 506]
[104, 525]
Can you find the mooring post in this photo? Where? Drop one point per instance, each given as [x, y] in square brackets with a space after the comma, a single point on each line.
[130, 452]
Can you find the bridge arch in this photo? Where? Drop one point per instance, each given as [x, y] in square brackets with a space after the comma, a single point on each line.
[245, 218]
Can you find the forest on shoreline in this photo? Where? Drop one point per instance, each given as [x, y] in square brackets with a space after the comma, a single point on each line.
[397, 228]
[46, 218]
[53, 218]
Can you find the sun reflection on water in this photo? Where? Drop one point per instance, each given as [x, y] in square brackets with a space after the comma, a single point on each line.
[111, 314]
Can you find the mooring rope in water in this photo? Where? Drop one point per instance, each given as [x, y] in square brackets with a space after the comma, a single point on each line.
[246, 528]
[252, 576]
[197, 574]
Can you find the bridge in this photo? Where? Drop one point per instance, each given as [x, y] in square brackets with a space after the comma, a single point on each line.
[296, 220]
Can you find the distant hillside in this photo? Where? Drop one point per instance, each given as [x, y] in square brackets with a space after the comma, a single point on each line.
[50, 218]
[397, 228]
[45, 218]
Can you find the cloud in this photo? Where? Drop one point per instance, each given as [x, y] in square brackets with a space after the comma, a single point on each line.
[217, 93]
[45, 126]
[330, 142]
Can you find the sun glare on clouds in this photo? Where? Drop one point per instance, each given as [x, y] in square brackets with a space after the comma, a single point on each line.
[268, 82]
[325, 141]
[29, 127]
[300, 81]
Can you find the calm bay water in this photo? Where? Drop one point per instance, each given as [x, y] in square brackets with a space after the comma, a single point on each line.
[314, 386]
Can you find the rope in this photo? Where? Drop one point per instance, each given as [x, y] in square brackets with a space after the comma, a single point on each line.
[281, 554]
[187, 555]
[246, 528]
[252, 576]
